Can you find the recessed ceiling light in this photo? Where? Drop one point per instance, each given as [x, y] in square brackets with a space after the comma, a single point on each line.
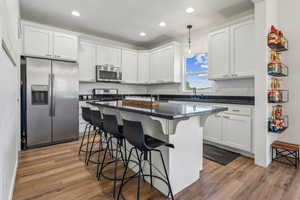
[162, 24]
[190, 10]
[143, 34]
[75, 13]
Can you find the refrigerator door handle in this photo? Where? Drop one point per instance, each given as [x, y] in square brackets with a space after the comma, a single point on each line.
[50, 94]
[53, 96]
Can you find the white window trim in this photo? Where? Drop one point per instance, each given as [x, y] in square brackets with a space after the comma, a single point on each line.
[184, 89]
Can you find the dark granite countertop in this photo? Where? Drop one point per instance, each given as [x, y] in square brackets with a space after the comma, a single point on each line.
[164, 110]
[240, 100]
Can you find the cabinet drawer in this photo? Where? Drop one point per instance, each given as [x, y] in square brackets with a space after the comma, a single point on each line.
[238, 110]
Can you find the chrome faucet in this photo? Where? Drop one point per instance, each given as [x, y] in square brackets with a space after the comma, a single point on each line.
[194, 92]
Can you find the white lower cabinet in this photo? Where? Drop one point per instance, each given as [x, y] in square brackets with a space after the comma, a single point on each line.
[237, 131]
[213, 128]
[232, 128]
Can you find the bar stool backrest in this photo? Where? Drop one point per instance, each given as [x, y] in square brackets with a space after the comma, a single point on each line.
[96, 118]
[86, 114]
[110, 125]
[134, 134]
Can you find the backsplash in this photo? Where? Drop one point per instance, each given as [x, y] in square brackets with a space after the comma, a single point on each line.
[238, 87]
[86, 88]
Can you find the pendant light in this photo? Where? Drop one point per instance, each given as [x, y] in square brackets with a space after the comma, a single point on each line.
[189, 40]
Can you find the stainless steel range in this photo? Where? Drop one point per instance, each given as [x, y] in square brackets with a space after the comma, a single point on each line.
[49, 102]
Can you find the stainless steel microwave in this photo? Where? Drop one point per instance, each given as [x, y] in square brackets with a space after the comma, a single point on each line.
[108, 73]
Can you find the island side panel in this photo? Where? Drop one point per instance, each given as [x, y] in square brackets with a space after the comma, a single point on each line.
[186, 159]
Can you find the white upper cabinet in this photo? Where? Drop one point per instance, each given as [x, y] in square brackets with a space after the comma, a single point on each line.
[231, 52]
[243, 48]
[219, 54]
[129, 66]
[109, 56]
[37, 42]
[65, 46]
[87, 62]
[45, 43]
[143, 67]
[165, 64]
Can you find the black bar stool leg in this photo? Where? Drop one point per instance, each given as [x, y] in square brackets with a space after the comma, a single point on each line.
[125, 152]
[91, 149]
[150, 157]
[82, 139]
[124, 174]
[87, 144]
[103, 160]
[140, 161]
[115, 169]
[166, 174]
[139, 177]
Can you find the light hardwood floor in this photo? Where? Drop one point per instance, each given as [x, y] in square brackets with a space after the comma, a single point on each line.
[58, 173]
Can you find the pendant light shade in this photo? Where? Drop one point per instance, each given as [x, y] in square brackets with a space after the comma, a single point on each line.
[189, 27]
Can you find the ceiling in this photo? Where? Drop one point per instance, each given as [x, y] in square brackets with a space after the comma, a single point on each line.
[123, 20]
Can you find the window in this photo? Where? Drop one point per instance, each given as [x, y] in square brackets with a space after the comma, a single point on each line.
[196, 72]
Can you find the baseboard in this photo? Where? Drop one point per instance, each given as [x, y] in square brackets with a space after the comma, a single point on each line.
[12, 186]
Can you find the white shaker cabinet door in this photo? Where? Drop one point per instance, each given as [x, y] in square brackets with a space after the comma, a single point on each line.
[65, 46]
[37, 42]
[129, 66]
[143, 67]
[219, 54]
[87, 62]
[237, 132]
[243, 49]
[161, 62]
[213, 128]
[109, 56]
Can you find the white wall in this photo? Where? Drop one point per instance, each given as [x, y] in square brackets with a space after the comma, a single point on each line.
[9, 92]
[289, 22]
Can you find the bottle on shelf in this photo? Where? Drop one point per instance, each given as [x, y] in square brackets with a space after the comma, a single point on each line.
[276, 39]
[278, 122]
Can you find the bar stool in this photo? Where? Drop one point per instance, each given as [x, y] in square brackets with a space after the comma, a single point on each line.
[97, 122]
[111, 127]
[86, 115]
[134, 134]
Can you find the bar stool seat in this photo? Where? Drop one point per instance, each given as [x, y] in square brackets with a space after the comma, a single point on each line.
[153, 143]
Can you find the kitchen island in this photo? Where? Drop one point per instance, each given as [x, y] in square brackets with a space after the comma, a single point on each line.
[179, 124]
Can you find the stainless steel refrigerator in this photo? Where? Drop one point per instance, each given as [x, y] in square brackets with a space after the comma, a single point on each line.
[49, 102]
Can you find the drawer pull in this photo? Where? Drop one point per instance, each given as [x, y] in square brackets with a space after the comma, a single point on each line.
[236, 110]
[227, 117]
